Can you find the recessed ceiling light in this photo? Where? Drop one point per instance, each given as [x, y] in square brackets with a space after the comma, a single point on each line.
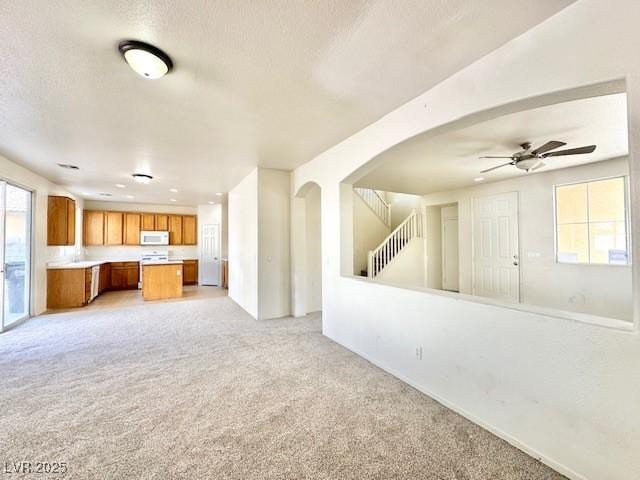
[68, 166]
[130, 196]
[212, 203]
[103, 194]
[174, 190]
[119, 185]
[478, 179]
[219, 194]
[146, 60]
[86, 193]
[173, 200]
[142, 178]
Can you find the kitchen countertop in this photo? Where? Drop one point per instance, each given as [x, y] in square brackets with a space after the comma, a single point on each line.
[93, 263]
[146, 263]
[82, 264]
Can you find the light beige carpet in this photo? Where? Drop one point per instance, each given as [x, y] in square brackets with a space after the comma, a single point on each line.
[198, 389]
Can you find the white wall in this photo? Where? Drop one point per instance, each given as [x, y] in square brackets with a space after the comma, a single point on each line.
[560, 389]
[593, 289]
[134, 252]
[259, 243]
[224, 246]
[368, 233]
[42, 254]
[274, 237]
[402, 204]
[313, 250]
[243, 243]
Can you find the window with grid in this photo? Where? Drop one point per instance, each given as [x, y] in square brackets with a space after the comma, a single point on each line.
[591, 222]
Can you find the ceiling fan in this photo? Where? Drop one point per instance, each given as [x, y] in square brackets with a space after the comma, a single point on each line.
[530, 160]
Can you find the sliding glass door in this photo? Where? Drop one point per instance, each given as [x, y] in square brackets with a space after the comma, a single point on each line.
[15, 253]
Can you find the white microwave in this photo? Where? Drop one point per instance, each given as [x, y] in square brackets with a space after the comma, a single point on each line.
[154, 238]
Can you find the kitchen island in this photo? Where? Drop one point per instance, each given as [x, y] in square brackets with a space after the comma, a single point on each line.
[161, 279]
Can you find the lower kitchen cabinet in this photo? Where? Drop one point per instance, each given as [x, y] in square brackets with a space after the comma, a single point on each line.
[124, 275]
[105, 277]
[190, 272]
[68, 288]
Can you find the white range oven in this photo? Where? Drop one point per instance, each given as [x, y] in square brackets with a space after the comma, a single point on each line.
[154, 238]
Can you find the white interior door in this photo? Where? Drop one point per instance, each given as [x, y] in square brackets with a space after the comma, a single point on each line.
[209, 261]
[450, 257]
[496, 271]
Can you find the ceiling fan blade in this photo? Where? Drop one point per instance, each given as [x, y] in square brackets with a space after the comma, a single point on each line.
[552, 145]
[510, 156]
[570, 151]
[499, 166]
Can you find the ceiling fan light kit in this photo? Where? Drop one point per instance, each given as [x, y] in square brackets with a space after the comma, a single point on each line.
[531, 160]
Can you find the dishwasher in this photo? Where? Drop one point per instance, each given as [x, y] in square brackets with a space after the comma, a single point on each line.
[95, 282]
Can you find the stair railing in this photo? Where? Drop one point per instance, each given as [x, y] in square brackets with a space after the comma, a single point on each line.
[376, 203]
[379, 258]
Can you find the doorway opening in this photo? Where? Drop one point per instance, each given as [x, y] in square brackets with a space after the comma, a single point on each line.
[442, 262]
[15, 254]
[307, 250]
[536, 192]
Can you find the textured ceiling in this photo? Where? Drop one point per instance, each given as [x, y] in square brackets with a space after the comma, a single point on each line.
[270, 83]
[426, 164]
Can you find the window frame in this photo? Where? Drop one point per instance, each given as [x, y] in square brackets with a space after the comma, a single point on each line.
[627, 221]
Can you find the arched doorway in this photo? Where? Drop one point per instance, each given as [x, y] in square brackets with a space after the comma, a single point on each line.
[307, 250]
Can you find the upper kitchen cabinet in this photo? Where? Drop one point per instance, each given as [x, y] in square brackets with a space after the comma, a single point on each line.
[175, 229]
[113, 228]
[162, 222]
[189, 230]
[148, 221]
[132, 224]
[61, 221]
[93, 227]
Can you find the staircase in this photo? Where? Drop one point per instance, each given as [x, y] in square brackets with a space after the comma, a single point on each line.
[376, 203]
[409, 229]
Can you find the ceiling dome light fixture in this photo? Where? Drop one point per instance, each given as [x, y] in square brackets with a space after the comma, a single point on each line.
[146, 60]
[142, 178]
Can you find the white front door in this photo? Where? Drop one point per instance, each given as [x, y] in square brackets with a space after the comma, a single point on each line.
[209, 262]
[450, 271]
[496, 270]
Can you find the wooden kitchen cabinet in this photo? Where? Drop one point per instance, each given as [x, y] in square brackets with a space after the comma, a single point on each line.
[113, 228]
[175, 229]
[124, 275]
[162, 223]
[61, 221]
[93, 231]
[123, 228]
[68, 288]
[190, 272]
[105, 277]
[162, 281]
[148, 221]
[189, 230]
[132, 223]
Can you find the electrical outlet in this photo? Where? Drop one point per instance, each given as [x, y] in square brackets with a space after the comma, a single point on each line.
[419, 353]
